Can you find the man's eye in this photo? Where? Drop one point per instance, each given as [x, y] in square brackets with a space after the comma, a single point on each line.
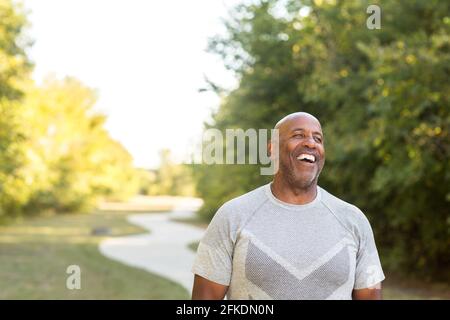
[318, 139]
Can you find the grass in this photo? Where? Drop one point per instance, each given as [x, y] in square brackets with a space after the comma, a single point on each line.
[408, 288]
[36, 252]
[195, 221]
[193, 245]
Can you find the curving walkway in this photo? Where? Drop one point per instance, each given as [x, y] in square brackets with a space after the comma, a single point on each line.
[164, 250]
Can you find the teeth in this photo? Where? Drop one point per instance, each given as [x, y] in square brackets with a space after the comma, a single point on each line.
[308, 157]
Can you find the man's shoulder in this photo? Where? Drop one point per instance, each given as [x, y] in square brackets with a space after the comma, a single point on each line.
[243, 206]
[348, 214]
[248, 200]
[233, 214]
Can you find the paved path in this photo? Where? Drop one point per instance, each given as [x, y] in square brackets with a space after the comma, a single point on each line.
[164, 250]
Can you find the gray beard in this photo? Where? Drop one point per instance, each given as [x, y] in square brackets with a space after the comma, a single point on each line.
[295, 182]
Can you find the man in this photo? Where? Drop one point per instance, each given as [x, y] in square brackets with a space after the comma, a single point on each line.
[289, 239]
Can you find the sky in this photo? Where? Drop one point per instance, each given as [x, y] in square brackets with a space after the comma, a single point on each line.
[146, 60]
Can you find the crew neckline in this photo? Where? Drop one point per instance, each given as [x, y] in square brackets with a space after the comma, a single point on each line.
[291, 206]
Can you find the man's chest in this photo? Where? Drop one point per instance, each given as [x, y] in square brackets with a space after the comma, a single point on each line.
[294, 261]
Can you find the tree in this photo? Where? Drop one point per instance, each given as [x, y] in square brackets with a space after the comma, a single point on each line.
[381, 96]
[71, 159]
[169, 179]
[14, 69]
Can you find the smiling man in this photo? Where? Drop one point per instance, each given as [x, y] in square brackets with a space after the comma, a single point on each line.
[289, 239]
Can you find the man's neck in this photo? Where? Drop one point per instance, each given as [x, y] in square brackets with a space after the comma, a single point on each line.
[289, 194]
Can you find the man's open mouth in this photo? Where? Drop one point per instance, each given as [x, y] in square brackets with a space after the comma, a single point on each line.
[307, 158]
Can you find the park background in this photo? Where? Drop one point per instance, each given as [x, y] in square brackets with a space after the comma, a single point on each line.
[381, 96]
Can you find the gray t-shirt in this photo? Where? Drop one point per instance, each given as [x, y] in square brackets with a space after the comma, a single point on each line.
[263, 248]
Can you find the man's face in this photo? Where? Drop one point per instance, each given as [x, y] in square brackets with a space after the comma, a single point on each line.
[301, 153]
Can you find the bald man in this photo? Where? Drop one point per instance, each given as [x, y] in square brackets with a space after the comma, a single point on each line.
[289, 239]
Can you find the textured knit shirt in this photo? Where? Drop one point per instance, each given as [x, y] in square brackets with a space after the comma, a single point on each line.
[264, 248]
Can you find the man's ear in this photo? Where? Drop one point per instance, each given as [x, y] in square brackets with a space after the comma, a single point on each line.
[269, 148]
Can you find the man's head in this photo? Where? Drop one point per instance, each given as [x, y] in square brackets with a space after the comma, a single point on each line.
[301, 150]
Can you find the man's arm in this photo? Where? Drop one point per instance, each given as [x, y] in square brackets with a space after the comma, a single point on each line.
[372, 293]
[207, 290]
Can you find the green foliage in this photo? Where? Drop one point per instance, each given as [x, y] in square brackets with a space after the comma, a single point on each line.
[14, 64]
[382, 98]
[14, 68]
[169, 179]
[71, 159]
[54, 151]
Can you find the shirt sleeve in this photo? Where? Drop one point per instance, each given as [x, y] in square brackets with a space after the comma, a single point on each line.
[368, 266]
[215, 251]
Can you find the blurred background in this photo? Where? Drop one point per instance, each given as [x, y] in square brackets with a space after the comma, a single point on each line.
[103, 104]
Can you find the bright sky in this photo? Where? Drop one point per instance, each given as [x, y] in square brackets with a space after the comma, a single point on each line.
[146, 59]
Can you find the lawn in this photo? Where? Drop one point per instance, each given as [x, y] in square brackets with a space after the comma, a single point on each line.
[36, 252]
[194, 245]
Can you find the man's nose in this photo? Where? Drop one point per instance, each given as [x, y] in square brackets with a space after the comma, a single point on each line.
[309, 142]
